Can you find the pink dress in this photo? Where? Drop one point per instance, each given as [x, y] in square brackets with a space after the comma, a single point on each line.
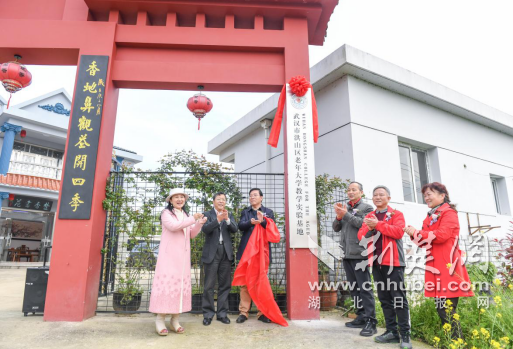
[171, 290]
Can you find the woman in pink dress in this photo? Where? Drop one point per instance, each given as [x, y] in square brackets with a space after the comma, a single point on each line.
[171, 290]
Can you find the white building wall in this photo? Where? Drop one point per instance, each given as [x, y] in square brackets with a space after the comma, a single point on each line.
[461, 153]
[249, 153]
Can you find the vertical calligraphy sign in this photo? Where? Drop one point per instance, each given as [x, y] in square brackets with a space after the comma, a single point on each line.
[301, 171]
[84, 134]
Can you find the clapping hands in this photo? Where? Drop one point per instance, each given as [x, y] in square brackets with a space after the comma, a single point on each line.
[340, 210]
[198, 216]
[371, 222]
[260, 219]
[409, 230]
[222, 216]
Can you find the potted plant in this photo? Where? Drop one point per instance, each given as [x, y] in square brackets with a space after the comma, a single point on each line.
[197, 295]
[325, 189]
[280, 296]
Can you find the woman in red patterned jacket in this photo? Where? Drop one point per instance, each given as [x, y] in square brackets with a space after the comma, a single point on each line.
[446, 278]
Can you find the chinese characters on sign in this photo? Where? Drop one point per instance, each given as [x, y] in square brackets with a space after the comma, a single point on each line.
[84, 134]
[301, 170]
[31, 203]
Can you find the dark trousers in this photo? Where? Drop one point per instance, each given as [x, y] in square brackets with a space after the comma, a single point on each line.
[442, 309]
[392, 296]
[219, 270]
[361, 289]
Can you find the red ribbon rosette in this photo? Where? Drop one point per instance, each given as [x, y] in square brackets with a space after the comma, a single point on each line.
[298, 86]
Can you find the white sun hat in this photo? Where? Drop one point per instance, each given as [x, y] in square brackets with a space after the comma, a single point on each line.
[176, 191]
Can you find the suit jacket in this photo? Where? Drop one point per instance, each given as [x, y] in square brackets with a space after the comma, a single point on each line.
[212, 230]
[246, 227]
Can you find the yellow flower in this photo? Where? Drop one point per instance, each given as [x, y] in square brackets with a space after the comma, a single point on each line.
[498, 300]
[436, 340]
[473, 347]
[449, 265]
[452, 346]
[456, 317]
[510, 286]
[499, 315]
[497, 282]
[475, 334]
[495, 344]
[505, 340]
[460, 341]
[447, 327]
[483, 311]
[448, 302]
[485, 333]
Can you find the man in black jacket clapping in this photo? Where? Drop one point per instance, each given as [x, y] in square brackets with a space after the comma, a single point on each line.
[217, 259]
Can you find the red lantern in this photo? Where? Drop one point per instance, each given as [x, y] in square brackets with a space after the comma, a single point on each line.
[14, 77]
[23, 133]
[199, 105]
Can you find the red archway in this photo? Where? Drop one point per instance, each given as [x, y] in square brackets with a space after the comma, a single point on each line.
[250, 46]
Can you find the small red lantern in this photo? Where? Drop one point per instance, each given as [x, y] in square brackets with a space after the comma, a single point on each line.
[11, 199]
[14, 77]
[199, 105]
[23, 133]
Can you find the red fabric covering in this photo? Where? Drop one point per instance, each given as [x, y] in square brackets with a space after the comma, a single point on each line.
[252, 271]
[299, 86]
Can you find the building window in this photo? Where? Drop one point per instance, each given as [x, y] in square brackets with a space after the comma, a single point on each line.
[500, 195]
[495, 187]
[414, 172]
[38, 150]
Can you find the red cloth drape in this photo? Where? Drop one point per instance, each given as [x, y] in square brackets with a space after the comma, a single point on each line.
[252, 271]
[299, 86]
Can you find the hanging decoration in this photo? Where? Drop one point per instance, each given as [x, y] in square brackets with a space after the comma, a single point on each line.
[199, 105]
[14, 77]
[299, 87]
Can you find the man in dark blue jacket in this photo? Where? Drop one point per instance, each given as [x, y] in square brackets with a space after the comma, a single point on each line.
[250, 217]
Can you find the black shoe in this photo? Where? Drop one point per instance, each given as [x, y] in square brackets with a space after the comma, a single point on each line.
[356, 323]
[388, 337]
[405, 342]
[207, 321]
[224, 320]
[369, 329]
[265, 319]
[241, 319]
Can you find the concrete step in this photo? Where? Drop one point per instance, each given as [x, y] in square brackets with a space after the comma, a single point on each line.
[21, 265]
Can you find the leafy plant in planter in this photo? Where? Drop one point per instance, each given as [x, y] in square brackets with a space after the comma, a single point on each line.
[326, 188]
[136, 226]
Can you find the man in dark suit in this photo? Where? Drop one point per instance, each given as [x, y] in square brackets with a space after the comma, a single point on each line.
[250, 217]
[217, 259]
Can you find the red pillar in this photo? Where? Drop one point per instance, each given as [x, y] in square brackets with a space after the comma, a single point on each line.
[300, 263]
[74, 277]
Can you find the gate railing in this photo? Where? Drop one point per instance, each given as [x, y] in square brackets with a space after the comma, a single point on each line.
[132, 232]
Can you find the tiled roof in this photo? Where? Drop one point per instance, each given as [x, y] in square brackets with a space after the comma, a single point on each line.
[21, 180]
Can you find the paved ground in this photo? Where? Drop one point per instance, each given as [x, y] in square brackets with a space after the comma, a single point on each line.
[138, 331]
